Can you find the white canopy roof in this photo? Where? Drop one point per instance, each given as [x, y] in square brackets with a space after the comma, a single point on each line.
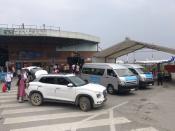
[129, 46]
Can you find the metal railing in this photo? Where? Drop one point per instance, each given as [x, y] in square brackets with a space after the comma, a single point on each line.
[22, 26]
[34, 30]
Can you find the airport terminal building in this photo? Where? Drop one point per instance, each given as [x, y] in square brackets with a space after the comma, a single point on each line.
[33, 46]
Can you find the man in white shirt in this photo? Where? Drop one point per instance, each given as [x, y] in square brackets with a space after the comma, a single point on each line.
[8, 79]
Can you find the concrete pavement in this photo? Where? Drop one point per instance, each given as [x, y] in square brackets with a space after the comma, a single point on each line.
[149, 109]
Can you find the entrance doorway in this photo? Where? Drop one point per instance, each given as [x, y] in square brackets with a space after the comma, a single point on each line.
[3, 56]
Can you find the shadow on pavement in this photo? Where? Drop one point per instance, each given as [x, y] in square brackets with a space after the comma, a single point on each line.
[127, 94]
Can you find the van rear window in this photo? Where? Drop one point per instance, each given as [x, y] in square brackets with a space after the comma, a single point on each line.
[93, 71]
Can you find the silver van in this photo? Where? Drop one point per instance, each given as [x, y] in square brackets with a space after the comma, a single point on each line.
[145, 78]
[113, 76]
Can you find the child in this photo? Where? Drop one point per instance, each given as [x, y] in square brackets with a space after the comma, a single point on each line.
[8, 79]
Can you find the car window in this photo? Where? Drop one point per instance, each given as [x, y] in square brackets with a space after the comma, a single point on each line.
[49, 80]
[111, 73]
[140, 70]
[123, 72]
[77, 81]
[99, 72]
[86, 70]
[62, 81]
[133, 71]
[93, 71]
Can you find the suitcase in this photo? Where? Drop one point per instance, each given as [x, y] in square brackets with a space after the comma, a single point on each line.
[4, 87]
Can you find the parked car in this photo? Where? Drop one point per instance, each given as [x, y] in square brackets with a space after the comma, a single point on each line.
[34, 72]
[115, 77]
[145, 78]
[68, 89]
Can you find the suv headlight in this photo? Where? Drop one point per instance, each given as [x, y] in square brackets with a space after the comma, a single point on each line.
[143, 79]
[121, 83]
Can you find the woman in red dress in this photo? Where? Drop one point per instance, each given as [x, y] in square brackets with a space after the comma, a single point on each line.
[21, 89]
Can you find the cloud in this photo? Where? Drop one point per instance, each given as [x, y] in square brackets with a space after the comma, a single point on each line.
[112, 20]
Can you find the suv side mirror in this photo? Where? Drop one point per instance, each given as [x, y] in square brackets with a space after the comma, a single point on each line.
[70, 85]
[114, 75]
[86, 81]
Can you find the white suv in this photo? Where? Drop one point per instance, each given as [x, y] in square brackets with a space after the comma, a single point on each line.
[66, 88]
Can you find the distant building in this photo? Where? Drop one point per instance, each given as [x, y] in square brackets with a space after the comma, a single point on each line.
[32, 46]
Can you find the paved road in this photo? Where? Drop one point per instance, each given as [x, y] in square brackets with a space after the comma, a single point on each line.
[144, 110]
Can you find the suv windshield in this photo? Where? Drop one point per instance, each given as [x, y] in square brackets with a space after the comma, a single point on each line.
[140, 70]
[123, 72]
[77, 81]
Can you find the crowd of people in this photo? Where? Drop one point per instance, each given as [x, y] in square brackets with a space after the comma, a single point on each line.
[23, 77]
[74, 68]
[21, 84]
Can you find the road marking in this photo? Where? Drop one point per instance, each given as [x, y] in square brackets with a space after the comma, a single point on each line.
[28, 110]
[13, 90]
[100, 113]
[13, 105]
[105, 111]
[8, 96]
[8, 93]
[8, 100]
[45, 117]
[145, 129]
[111, 119]
[68, 126]
[119, 105]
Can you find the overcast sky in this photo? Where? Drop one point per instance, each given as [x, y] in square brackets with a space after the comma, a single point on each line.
[111, 20]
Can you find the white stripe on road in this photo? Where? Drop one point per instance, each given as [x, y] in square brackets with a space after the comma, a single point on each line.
[8, 93]
[105, 111]
[8, 100]
[45, 117]
[145, 129]
[28, 110]
[12, 90]
[100, 113]
[68, 126]
[111, 118]
[8, 96]
[13, 105]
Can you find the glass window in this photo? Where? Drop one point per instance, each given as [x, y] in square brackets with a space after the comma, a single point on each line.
[62, 81]
[98, 72]
[123, 72]
[140, 70]
[77, 81]
[133, 71]
[111, 73]
[49, 80]
[86, 70]
[93, 71]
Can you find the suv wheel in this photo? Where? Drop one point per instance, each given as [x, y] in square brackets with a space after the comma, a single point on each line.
[84, 103]
[110, 89]
[36, 99]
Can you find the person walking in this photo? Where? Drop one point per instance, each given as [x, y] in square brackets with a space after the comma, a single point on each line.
[160, 78]
[21, 88]
[73, 68]
[8, 80]
[77, 69]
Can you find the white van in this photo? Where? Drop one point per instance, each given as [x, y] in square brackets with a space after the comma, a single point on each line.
[113, 76]
[145, 78]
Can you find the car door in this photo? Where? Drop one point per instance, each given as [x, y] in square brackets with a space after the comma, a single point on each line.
[111, 78]
[63, 92]
[47, 87]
